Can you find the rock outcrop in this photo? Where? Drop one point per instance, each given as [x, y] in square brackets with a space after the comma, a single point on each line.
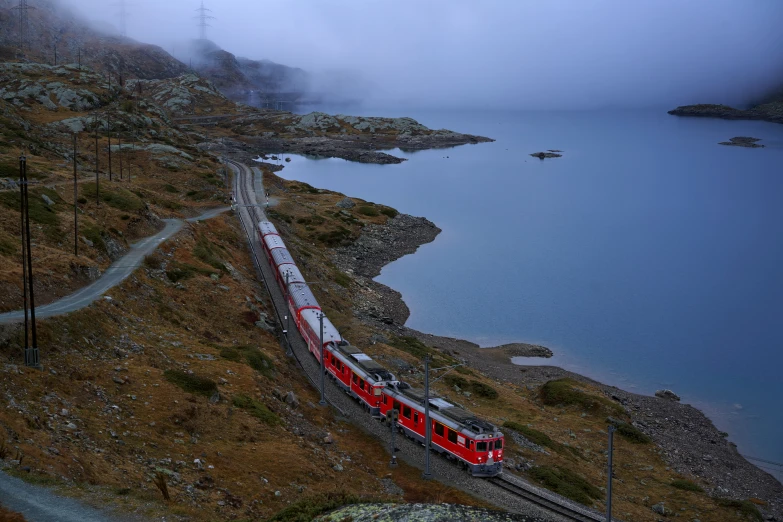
[772, 112]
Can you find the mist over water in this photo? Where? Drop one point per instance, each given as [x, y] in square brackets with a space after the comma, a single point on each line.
[553, 54]
[646, 257]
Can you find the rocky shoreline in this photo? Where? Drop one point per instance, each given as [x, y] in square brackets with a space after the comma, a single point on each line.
[772, 112]
[687, 440]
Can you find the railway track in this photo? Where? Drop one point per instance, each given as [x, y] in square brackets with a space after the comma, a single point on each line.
[245, 201]
[550, 505]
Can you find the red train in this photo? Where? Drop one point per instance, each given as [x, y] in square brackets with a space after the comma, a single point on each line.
[475, 443]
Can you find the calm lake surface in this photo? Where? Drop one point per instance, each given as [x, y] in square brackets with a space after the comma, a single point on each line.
[647, 257]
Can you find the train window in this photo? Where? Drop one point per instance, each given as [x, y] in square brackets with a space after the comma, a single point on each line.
[452, 436]
[355, 379]
[377, 392]
[438, 429]
[397, 405]
[481, 446]
[499, 444]
[361, 383]
[385, 399]
[468, 443]
[415, 417]
[406, 412]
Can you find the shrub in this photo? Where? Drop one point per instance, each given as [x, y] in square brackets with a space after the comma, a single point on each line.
[8, 247]
[39, 211]
[153, 261]
[82, 200]
[483, 390]
[127, 106]
[231, 354]
[567, 483]
[686, 485]
[534, 436]
[342, 279]
[206, 252]
[744, 507]
[388, 211]
[368, 211]
[411, 345]
[94, 234]
[311, 220]
[118, 198]
[256, 409]
[563, 392]
[191, 383]
[455, 380]
[632, 434]
[260, 362]
[336, 237]
[170, 188]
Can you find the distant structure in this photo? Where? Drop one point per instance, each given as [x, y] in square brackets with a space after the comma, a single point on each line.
[202, 20]
[23, 7]
[123, 14]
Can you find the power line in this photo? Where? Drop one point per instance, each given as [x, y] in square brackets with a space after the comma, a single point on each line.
[202, 18]
[123, 14]
[23, 7]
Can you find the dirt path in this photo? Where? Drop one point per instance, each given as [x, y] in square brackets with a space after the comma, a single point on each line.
[113, 276]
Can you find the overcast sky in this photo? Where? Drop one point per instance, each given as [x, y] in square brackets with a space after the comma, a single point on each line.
[520, 53]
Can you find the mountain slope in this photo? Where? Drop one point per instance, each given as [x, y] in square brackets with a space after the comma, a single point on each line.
[51, 24]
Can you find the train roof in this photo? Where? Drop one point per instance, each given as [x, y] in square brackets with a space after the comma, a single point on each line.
[302, 296]
[282, 256]
[455, 413]
[294, 275]
[273, 241]
[266, 227]
[330, 332]
[366, 363]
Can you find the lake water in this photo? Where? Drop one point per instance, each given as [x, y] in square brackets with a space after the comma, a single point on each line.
[647, 257]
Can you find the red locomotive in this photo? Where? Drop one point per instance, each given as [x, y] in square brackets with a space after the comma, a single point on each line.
[475, 443]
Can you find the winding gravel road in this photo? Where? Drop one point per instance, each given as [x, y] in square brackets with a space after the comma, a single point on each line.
[113, 276]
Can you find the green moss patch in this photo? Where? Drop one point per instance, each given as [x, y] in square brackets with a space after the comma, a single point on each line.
[567, 483]
[632, 434]
[118, 198]
[566, 392]
[8, 245]
[256, 409]
[745, 508]
[685, 485]
[369, 211]
[475, 387]
[191, 383]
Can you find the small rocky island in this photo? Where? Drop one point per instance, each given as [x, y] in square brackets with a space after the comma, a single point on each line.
[743, 141]
[550, 153]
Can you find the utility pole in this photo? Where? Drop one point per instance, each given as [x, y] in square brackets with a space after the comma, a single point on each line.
[119, 138]
[75, 202]
[97, 178]
[80, 59]
[322, 402]
[392, 416]
[30, 354]
[202, 18]
[427, 428]
[23, 7]
[23, 235]
[611, 430]
[108, 130]
[55, 53]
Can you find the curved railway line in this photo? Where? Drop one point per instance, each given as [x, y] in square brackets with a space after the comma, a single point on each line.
[246, 201]
[564, 511]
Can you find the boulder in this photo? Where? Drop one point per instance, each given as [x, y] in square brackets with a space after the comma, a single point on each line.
[291, 400]
[345, 203]
[661, 509]
[667, 394]
[47, 200]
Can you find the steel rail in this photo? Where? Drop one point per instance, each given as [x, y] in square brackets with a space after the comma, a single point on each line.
[239, 182]
[542, 502]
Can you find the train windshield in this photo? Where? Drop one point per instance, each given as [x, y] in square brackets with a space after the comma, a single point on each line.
[499, 444]
[481, 447]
